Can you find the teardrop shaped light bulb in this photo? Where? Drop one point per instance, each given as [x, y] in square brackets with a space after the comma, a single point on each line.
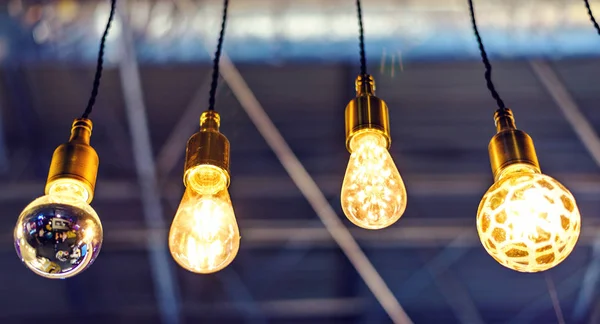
[204, 235]
[528, 221]
[373, 193]
[59, 235]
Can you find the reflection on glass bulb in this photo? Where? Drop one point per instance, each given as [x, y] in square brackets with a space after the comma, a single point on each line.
[373, 193]
[528, 221]
[59, 235]
[204, 236]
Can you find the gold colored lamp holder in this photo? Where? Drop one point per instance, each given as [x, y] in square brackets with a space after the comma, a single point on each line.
[366, 111]
[208, 146]
[510, 145]
[76, 159]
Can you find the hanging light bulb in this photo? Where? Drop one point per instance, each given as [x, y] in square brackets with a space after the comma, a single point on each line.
[527, 221]
[373, 193]
[204, 236]
[59, 235]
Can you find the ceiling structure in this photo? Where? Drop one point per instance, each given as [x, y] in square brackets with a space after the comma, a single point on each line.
[281, 100]
[277, 31]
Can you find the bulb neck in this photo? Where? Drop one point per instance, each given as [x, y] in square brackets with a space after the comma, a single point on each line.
[75, 161]
[510, 146]
[366, 112]
[516, 168]
[365, 85]
[81, 131]
[207, 147]
[504, 120]
[210, 121]
[71, 188]
[367, 136]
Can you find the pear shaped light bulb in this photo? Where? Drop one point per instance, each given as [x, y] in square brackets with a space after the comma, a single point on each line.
[528, 221]
[59, 235]
[373, 193]
[204, 236]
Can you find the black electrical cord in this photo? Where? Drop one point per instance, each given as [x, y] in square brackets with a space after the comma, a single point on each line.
[589, 10]
[215, 75]
[485, 60]
[361, 40]
[99, 65]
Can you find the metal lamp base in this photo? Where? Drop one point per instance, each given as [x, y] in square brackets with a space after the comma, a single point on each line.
[208, 146]
[366, 112]
[76, 159]
[510, 145]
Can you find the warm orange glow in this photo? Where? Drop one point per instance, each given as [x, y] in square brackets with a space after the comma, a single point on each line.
[373, 193]
[69, 188]
[528, 221]
[207, 179]
[204, 236]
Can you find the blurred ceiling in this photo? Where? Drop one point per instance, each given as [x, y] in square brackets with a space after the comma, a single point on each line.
[282, 30]
[301, 72]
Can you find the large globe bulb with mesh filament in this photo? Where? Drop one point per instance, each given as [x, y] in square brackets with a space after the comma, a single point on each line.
[528, 221]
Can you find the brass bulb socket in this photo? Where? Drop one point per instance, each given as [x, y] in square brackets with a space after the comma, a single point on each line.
[76, 159]
[366, 111]
[510, 145]
[208, 146]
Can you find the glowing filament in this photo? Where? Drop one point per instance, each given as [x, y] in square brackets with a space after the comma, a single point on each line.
[204, 236]
[373, 193]
[528, 221]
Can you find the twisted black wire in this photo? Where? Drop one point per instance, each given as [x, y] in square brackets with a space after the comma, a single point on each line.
[361, 40]
[485, 60]
[589, 10]
[99, 65]
[215, 75]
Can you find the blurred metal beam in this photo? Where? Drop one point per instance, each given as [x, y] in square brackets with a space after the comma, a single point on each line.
[434, 233]
[306, 308]
[454, 249]
[238, 290]
[128, 236]
[567, 287]
[581, 126]
[595, 316]
[281, 187]
[588, 136]
[409, 236]
[555, 301]
[458, 298]
[216, 312]
[437, 268]
[165, 283]
[311, 191]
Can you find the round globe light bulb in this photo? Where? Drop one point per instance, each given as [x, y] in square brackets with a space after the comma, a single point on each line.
[373, 193]
[204, 236]
[59, 235]
[528, 221]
